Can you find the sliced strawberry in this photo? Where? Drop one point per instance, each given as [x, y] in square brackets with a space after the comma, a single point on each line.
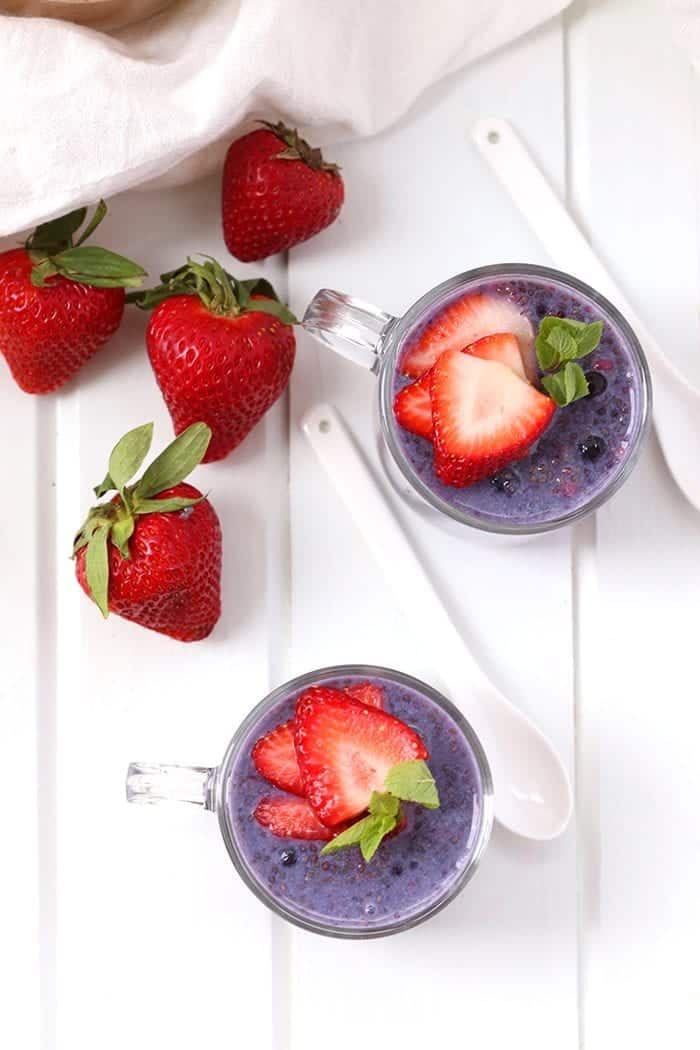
[367, 693]
[345, 750]
[484, 417]
[461, 323]
[413, 405]
[275, 759]
[290, 818]
[413, 410]
[502, 347]
[274, 756]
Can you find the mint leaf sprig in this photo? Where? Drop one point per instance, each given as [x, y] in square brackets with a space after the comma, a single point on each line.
[405, 782]
[560, 343]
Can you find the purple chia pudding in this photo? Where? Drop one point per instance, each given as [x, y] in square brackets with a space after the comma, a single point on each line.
[589, 446]
[412, 874]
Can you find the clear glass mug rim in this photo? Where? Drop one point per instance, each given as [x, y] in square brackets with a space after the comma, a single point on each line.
[389, 342]
[208, 787]
[297, 684]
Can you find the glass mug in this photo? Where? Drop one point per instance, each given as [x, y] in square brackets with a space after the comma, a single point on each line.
[411, 877]
[555, 485]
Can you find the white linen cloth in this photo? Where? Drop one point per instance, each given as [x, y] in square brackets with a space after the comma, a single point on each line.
[86, 114]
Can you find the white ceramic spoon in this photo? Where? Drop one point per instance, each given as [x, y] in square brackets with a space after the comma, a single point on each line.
[531, 788]
[677, 403]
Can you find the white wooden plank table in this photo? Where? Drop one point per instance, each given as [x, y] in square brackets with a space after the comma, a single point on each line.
[126, 923]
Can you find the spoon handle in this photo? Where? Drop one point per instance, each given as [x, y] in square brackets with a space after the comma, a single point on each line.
[366, 504]
[555, 229]
[491, 714]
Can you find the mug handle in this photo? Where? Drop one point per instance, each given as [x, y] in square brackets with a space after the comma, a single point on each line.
[148, 782]
[348, 326]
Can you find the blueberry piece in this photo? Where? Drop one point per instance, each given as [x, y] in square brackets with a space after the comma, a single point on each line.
[505, 482]
[288, 857]
[597, 383]
[397, 869]
[592, 447]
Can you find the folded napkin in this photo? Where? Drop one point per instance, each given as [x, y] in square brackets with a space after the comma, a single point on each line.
[86, 114]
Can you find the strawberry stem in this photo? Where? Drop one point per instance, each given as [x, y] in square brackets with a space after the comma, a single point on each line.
[114, 521]
[297, 148]
[53, 250]
[217, 289]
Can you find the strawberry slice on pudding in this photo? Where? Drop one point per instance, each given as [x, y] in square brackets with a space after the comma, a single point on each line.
[290, 818]
[502, 347]
[463, 322]
[484, 417]
[367, 693]
[413, 408]
[275, 759]
[274, 755]
[345, 750]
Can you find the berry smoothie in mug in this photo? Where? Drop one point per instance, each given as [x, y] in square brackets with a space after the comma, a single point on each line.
[354, 801]
[512, 398]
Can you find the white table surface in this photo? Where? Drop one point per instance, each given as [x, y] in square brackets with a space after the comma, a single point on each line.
[126, 925]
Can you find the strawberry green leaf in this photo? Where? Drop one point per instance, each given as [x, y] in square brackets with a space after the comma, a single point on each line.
[298, 148]
[413, 782]
[128, 454]
[105, 282]
[41, 271]
[175, 462]
[97, 567]
[122, 531]
[102, 514]
[86, 532]
[274, 308]
[171, 284]
[53, 250]
[57, 233]
[99, 214]
[115, 520]
[258, 294]
[88, 264]
[255, 285]
[162, 506]
[217, 289]
[105, 486]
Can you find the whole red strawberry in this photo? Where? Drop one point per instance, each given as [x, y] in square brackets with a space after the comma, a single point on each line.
[277, 191]
[60, 301]
[222, 350]
[152, 554]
